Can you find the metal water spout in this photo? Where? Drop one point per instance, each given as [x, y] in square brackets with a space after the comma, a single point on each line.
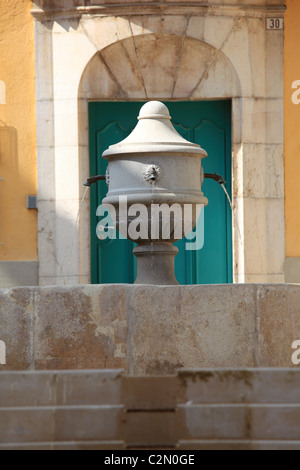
[156, 173]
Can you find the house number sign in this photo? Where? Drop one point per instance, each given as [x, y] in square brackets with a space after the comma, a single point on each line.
[274, 23]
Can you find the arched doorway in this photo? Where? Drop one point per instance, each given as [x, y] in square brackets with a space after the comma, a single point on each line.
[116, 83]
[207, 123]
[155, 54]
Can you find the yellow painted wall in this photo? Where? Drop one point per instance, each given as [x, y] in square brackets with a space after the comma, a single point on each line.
[292, 127]
[18, 225]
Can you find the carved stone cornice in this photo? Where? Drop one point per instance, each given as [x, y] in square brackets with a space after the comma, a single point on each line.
[44, 10]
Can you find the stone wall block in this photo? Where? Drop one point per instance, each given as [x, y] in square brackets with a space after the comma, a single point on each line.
[66, 333]
[279, 324]
[184, 326]
[16, 327]
[89, 423]
[212, 421]
[88, 387]
[26, 425]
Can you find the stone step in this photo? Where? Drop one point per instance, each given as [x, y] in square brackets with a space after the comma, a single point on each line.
[250, 385]
[67, 387]
[194, 409]
[237, 445]
[46, 424]
[197, 424]
[96, 387]
[78, 445]
[243, 421]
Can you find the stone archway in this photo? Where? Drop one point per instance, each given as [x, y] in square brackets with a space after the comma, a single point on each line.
[159, 66]
[166, 67]
[170, 52]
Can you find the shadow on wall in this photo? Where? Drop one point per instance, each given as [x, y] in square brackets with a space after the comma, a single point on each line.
[8, 144]
[12, 273]
[8, 159]
[43, 6]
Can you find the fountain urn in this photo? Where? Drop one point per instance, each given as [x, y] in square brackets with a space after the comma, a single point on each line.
[156, 174]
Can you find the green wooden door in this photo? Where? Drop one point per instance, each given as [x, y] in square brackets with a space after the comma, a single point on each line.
[207, 123]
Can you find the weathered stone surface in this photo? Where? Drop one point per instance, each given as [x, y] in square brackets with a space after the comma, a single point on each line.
[79, 445]
[16, 327]
[276, 422]
[189, 75]
[76, 328]
[121, 63]
[279, 325]
[57, 4]
[267, 253]
[97, 70]
[86, 423]
[150, 330]
[238, 445]
[258, 183]
[210, 85]
[100, 30]
[20, 389]
[88, 387]
[61, 388]
[200, 386]
[26, 424]
[151, 429]
[212, 421]
[236, 386]
[146, 393]
[175, 327]
[152, 321]
[104, 409]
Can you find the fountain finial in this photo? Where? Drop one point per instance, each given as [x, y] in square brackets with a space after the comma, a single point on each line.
[154, 110]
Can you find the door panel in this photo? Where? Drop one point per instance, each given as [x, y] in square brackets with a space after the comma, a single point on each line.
[206, 123]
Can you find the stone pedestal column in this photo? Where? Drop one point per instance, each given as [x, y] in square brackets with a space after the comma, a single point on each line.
[155, 264]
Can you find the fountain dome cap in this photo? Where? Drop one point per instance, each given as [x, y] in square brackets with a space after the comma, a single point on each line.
[154, 133]
[154, 110]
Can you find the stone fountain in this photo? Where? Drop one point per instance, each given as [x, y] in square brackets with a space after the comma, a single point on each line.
[158, 175]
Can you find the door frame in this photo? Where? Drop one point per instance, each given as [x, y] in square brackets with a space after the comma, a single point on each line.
[228, 176]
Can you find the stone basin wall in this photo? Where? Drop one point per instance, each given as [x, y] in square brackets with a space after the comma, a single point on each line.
[149, 330]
